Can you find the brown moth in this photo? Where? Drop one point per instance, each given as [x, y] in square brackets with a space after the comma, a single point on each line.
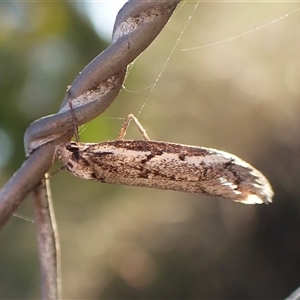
[167, 166]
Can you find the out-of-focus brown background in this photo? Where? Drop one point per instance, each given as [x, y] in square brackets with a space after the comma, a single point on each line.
[240, 96]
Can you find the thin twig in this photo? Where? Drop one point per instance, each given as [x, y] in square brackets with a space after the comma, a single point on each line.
[48, 241]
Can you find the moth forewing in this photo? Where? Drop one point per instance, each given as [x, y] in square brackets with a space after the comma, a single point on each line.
[168, 166]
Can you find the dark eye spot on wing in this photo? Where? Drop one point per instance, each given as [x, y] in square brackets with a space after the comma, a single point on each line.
[182, 156]
[158, 152]
[148, 157]
[93, 175]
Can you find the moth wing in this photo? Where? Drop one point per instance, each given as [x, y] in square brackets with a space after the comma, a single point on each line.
[221, 187]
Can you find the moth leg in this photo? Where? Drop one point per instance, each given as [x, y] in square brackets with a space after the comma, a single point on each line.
[75, 125]
[125, 125]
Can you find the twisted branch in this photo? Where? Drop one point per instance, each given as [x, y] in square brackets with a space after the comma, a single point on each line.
[93, 90]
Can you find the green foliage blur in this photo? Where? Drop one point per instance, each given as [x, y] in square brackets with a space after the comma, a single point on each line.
[237, 92]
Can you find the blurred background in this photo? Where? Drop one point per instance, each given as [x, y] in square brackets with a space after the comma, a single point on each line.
[241, 96]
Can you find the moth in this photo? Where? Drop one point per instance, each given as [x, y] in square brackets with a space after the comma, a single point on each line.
[167, 166]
